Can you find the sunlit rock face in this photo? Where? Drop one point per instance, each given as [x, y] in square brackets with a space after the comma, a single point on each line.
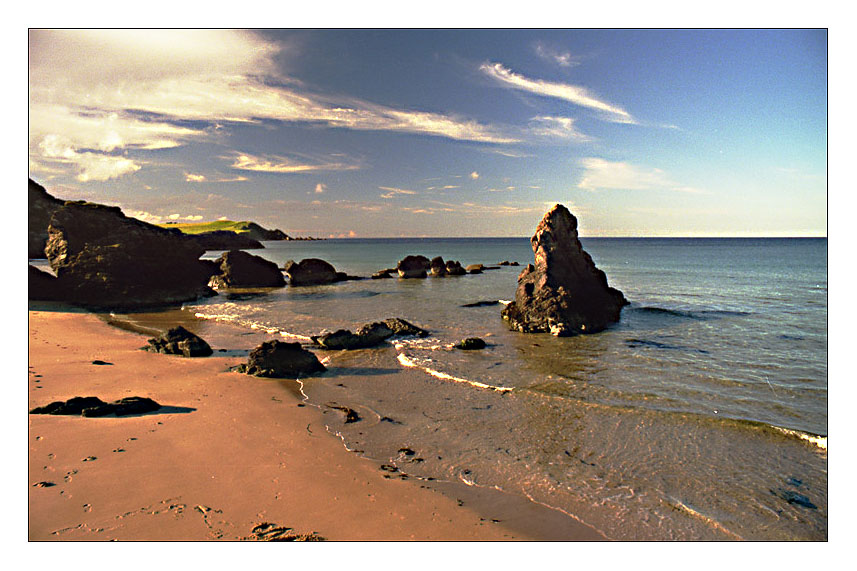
[562, 293]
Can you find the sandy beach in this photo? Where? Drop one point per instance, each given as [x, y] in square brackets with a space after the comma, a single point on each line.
[226, 453]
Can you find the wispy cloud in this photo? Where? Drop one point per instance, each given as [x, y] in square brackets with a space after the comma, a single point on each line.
[557, 127]
[93, 89]
[391, 191]
[285, 165]
[571, 93]
[320, 188]
[601, 174]
[561, 58]
[191, 177]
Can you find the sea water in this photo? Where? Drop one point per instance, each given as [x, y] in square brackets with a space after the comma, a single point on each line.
[701, 415]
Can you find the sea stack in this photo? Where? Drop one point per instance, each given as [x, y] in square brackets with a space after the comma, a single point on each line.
[563, 293]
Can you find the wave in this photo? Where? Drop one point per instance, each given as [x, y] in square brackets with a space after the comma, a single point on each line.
[700, 314]
[245, 323]
[407, 361]
[815, 439]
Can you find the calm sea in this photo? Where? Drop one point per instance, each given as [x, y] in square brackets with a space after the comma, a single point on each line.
[701, 415]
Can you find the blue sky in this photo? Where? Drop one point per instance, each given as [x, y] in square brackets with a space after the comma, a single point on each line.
[373, 133]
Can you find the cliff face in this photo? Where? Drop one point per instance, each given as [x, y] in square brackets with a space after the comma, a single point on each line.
[563, 292]
[40, 207]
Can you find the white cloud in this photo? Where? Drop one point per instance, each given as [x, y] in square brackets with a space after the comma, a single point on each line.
[190, 177]
[474, 175]
[601, 174]
[285, 165]
[95, 87]
[319, 188]
[558, 127]
[392, 191]
[566, 92]
[563, 59]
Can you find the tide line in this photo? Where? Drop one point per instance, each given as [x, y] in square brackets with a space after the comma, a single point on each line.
[407, 362]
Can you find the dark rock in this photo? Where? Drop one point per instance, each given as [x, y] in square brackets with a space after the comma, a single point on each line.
[508, 263]
[40, 207]
[44, 484]
[350, 414]
[100, 362]
[382, 274]
[73, 406]
[179, 341]
[402, 328]
[795, 498]
[474, 268]
[453, 268]
[413, 267]
[225, 240]
[438, 267]
[482, 303]
[369, 335]
[104, 259]
[311, 271]
[94, 406]
[256, 232]
[239, 269]
[470, 344]
[42, 286]
[563, 293]
[281, 360]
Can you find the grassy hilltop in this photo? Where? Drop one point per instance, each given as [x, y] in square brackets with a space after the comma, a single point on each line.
[240, 227]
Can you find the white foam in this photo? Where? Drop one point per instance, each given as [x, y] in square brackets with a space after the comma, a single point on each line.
[408, 362]
[819, 441]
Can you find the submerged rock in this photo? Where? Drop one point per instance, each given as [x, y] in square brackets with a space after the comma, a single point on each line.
[474, 268]
[279, 359]
[239, 269]
[470, 344]
[179, 341]
[563, 292]
[402, 328]
[369, 335]
[413, 267]
[311, 271]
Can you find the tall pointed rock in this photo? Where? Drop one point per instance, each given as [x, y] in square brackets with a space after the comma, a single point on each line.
[563, 293]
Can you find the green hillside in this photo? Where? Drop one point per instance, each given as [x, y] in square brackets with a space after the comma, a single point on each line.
[200, 227]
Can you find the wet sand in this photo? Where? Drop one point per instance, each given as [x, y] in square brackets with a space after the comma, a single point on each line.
[226, 453]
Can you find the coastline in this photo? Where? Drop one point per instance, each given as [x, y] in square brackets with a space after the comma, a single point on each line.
[226, 453]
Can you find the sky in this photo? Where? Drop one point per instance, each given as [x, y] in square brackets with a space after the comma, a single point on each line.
[447, 132]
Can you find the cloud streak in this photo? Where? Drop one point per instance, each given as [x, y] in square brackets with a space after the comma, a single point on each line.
[571, 93]
[285, 165]
[601, 174]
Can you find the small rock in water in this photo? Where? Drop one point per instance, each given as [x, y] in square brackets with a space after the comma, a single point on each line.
[471, 343]
[482, 303]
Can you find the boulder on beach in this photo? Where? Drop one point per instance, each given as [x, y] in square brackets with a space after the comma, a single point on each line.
[563, 292]
[179, 341]
[239, 269]
[104, 259]
[279, 359]
[311, 271]
[94, 406]
[369, 335]
[413, 267]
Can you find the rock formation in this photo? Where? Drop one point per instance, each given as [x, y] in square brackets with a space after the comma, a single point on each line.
[453, 268]
[40, 207]
[179, 341]
[279, 359]
[94, 406]
[312, 271]
[470, 344]
[413, 267]
[105, 259]
[239, 269]
[438, 267]
[563, 292]
[224, 240]
[42, 286]
[402, 328]
[370, 335]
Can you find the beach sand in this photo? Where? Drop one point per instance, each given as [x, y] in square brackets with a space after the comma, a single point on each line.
[226, 453]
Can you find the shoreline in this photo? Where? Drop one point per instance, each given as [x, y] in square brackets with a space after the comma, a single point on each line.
[226, 453]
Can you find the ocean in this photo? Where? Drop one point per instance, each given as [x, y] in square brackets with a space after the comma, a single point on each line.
[701, 415]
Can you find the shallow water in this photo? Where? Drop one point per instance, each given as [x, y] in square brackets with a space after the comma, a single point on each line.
[701, 415]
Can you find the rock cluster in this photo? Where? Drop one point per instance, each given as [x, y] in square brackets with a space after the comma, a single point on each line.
[179, 341]
[369, 335]
[563, 292]
[94, 406]
[313, 271]
[40, 207]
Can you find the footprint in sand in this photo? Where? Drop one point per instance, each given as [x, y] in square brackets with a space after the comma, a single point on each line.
[90, 459]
